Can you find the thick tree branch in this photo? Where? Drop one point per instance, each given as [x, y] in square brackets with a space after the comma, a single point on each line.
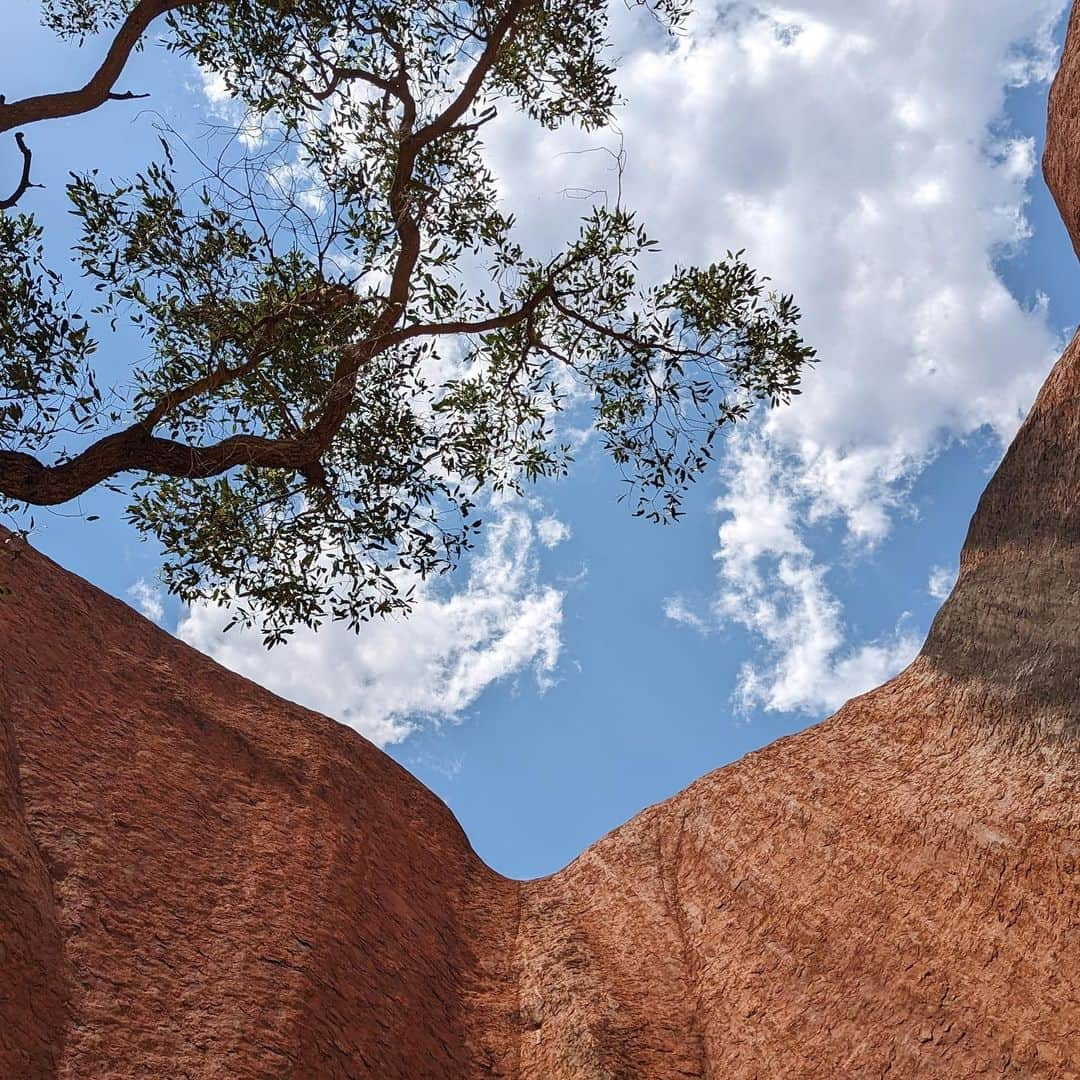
[408, 230]
[137, 449]
[412, 143]
[25, 479]
[100, 87]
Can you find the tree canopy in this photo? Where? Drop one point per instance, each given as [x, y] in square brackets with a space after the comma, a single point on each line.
[346, 345]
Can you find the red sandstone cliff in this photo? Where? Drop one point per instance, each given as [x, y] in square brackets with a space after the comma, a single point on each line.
[200, 880]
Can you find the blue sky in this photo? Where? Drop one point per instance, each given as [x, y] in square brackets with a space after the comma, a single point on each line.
[588, 664]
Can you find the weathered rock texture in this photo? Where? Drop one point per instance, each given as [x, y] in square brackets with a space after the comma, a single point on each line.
[199, 880]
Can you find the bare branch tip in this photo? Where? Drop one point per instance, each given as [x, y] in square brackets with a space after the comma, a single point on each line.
[24, 180]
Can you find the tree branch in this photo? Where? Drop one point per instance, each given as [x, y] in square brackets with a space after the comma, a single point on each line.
[498, 37]
[24, 180]
[482, 326]
[320, 301]
[408, 228]
[622, 336]
[100, 87]
[25, 479]
[350, 74]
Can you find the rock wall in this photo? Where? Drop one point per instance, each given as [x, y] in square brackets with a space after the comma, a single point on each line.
[240, 888]
[198, 879]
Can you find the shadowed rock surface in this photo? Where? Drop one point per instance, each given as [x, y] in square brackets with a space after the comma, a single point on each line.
[198, 879]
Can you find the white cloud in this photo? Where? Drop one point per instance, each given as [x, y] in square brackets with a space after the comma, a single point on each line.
[147, 598]
[853, 155]
[432, 666]
[853, 160]
[552, 531]
[678, 610]
[229, 110]
[805, 665]
[857, 152]
[942, 580]
[773, 585]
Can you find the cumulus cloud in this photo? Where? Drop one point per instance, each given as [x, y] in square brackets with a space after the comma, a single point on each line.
[864, 167]
[147, 598]
[858, 153]
[552, 532]
[432, 666]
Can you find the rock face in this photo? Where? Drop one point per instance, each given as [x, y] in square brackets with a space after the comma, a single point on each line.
[198, 879]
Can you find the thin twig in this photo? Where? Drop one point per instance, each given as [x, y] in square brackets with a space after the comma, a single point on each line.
[24, 180]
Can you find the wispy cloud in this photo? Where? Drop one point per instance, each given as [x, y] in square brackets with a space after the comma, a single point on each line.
[942, 580]
[397, 674]
[774, 586]
[148, 599]
[678, 610]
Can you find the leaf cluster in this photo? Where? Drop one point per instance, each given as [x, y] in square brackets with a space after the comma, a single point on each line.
[345, 344]
[47, 383]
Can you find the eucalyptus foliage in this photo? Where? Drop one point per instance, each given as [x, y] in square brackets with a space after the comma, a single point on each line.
[346, 345]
